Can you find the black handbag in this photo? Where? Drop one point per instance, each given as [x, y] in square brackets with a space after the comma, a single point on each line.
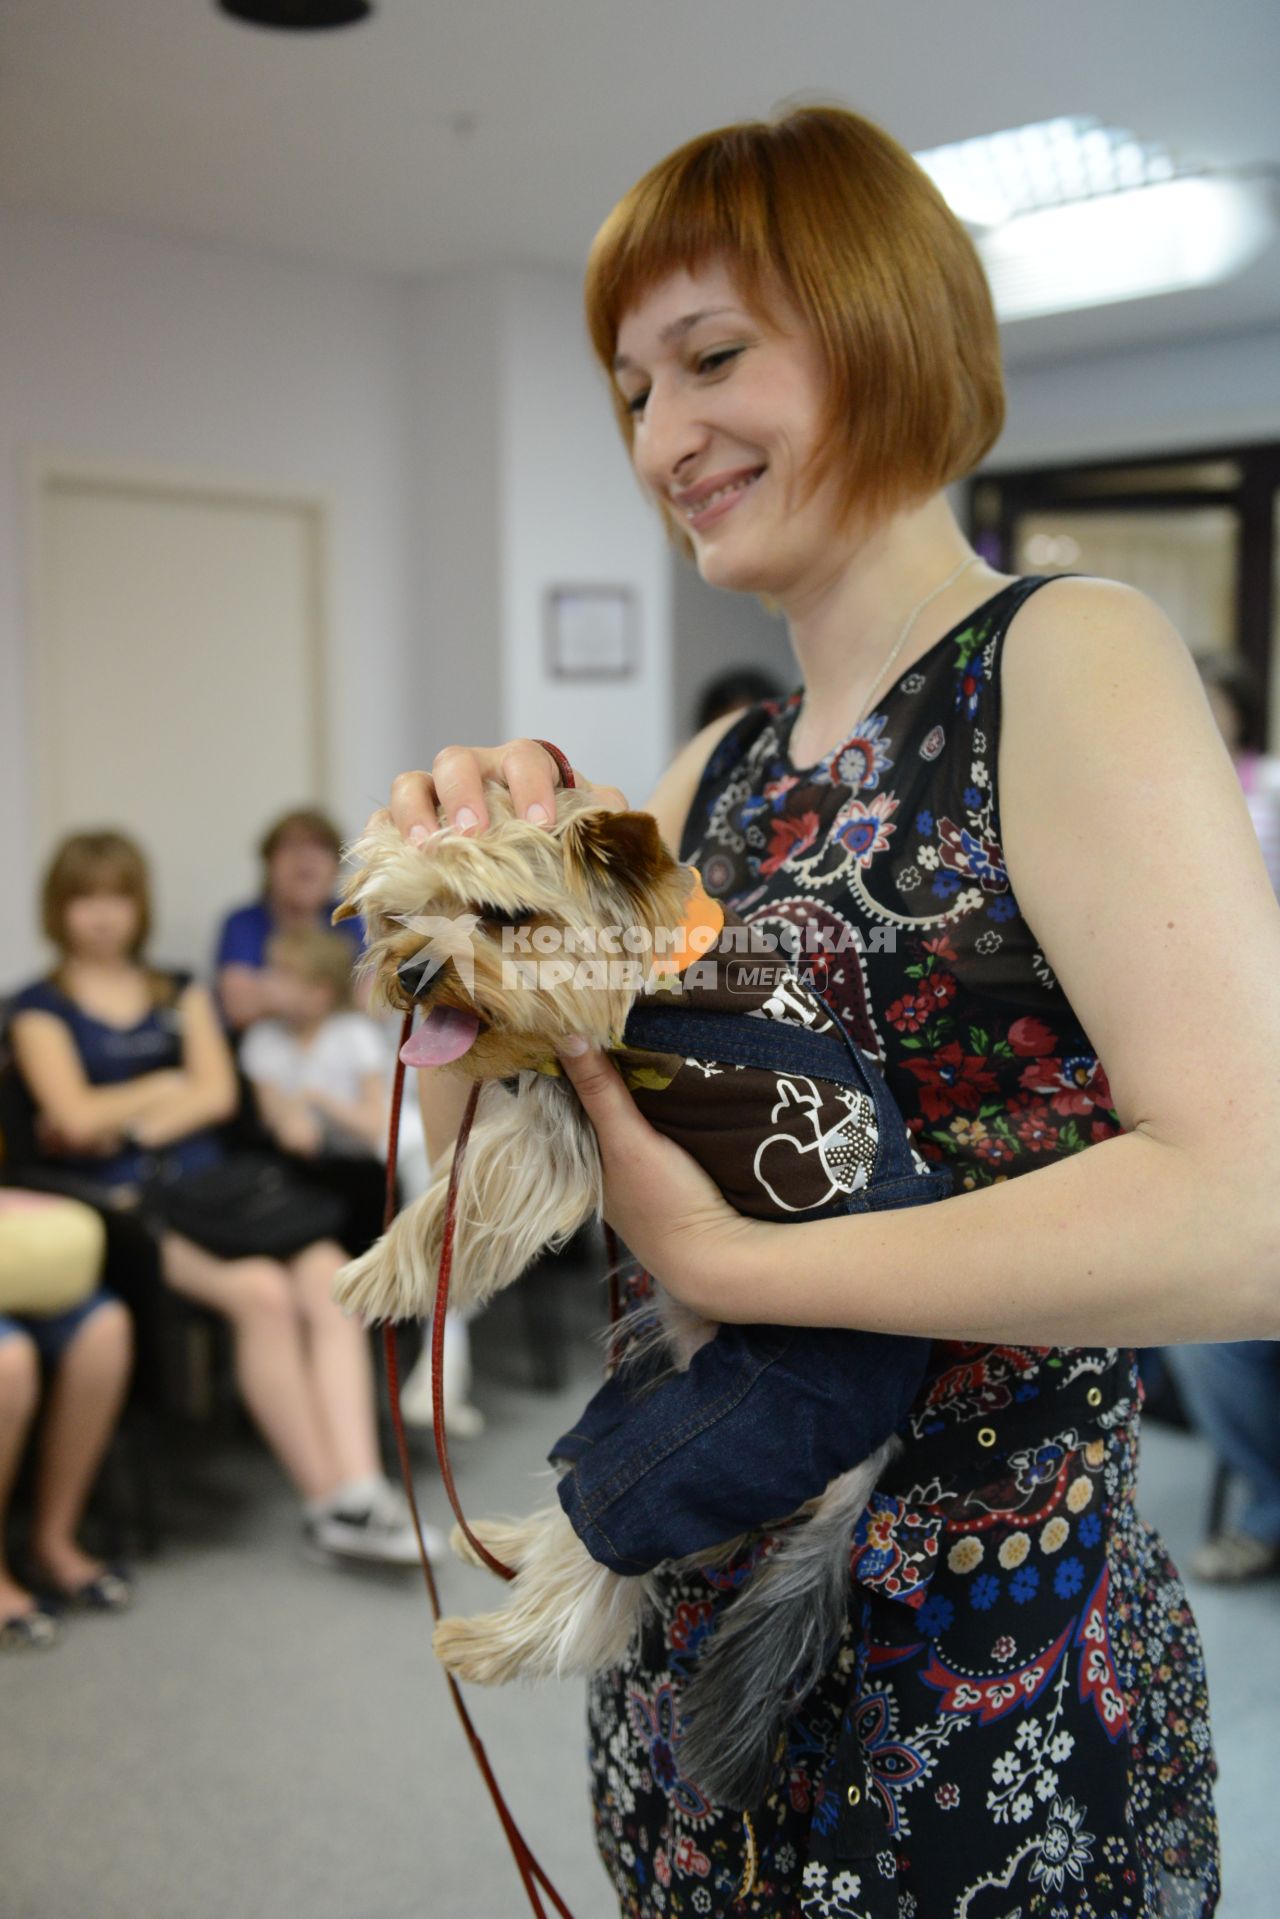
[251, 1205]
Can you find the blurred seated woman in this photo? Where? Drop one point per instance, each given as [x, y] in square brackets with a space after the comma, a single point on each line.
[300, 853]
[130, 1071]
[57, 1324]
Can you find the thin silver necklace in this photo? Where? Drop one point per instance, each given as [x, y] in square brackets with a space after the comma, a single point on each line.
[900, 642]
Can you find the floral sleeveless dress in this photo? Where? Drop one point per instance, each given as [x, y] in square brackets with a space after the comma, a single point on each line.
[1016, 1721]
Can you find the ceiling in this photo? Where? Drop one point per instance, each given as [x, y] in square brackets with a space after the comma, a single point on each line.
[450, 133]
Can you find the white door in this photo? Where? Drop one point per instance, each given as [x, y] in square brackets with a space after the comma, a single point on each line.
[178, 675]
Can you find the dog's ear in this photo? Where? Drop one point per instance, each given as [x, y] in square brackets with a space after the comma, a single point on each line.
[625, 848]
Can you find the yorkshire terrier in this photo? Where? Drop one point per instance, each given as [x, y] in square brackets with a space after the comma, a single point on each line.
[508, 942]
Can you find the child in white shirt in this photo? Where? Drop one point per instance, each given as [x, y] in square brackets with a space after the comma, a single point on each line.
[320, 1076]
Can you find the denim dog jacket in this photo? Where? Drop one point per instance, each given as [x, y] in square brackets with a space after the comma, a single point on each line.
[742, 1063]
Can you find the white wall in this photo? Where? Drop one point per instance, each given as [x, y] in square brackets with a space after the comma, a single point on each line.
[453, 407]
[519, 484]
[574, 515]
[1158, 399]
[146, 353]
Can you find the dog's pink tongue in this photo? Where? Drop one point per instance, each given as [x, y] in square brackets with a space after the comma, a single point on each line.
[445, 1034]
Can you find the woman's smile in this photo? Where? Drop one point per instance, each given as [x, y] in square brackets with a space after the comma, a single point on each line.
[701, 506]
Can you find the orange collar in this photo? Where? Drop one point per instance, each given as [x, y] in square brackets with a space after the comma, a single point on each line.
[697, 932]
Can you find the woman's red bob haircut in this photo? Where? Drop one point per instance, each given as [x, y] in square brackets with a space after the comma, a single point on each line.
[823, 212]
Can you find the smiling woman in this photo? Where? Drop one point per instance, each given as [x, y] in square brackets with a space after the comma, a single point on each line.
[981, 808]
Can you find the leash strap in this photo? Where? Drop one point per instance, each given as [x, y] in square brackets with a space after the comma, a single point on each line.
[532, 1876]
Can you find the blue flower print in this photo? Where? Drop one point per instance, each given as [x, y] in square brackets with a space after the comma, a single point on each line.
[969, 683]
[984, 1592]
[973, 799]
[1025, 1584]
[935, 1615]
[945, 884]
[1090, 1529]
[1003, 907]
[1068, 1579]
[924, 823]
[1026, 1392]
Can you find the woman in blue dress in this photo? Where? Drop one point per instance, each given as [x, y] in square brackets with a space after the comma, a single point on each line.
[1002, 807]
[131, 1077]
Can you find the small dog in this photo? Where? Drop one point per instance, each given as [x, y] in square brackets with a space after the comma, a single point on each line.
[498, 938]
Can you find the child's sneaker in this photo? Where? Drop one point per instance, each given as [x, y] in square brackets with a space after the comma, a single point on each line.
[378, 1530]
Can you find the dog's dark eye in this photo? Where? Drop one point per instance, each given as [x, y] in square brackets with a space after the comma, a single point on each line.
[499, 917]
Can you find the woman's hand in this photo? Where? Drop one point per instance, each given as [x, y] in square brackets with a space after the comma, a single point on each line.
[454, 789]
[657, 1198]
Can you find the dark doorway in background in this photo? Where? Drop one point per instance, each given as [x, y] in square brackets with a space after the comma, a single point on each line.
[1199, 532]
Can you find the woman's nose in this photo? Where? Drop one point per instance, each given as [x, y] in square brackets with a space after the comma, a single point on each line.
[668, 439]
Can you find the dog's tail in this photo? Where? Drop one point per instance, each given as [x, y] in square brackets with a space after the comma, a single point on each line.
[772, 1647]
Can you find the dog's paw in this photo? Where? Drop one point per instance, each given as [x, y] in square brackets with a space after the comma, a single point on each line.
[506, 1539]
[483, 1651]
[375, 1288]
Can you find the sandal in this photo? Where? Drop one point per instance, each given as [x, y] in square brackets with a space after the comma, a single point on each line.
[111, 1590]
[28, 1631]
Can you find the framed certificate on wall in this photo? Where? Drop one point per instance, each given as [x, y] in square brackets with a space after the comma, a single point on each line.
[592, 632]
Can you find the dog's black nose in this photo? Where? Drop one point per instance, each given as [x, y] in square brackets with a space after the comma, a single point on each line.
[417, 974]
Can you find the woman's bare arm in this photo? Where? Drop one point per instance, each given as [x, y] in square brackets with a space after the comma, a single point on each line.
[1131, 853]
[85, 1117]
[205, 1092]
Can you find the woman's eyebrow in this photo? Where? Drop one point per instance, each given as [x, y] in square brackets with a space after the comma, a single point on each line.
[676, 330]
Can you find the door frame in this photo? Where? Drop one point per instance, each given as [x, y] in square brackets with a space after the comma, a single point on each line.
[998, 500]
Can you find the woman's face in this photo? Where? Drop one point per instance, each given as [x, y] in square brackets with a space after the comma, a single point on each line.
[728, 415]
[303, 873]
[101, 925]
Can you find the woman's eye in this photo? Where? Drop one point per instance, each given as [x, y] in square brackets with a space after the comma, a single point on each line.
[636, 403]
[711, 362]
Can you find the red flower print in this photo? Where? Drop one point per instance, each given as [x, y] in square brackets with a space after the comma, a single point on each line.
[909, 1013]
[1031, 1038]
[1032, 1122]
[942, 949]
[1104, 1129]
[1070, 1085]
[793, 835]
[996, 1151]
[940, 988]
[951, 1081]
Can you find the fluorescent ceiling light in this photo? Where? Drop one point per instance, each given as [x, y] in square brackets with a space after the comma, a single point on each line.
[1069, 214]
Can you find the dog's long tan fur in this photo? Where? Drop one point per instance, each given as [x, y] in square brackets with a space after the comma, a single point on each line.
[531, 1177]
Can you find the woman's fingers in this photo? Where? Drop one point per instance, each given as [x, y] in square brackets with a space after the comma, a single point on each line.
[453, 791]
[413, 805]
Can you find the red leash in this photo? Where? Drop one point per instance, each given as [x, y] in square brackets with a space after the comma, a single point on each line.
[531, 1873]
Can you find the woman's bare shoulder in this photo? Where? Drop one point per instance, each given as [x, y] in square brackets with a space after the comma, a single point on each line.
[672, 797]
